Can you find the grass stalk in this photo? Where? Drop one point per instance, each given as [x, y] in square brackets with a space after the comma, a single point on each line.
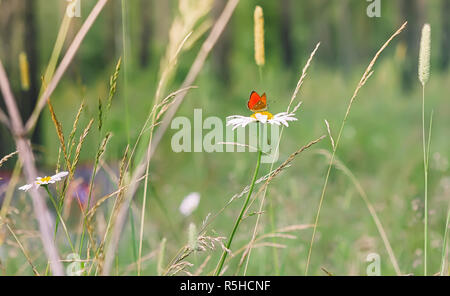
[52, 199]
[139, 172]
[125, 73]
[65, 62]
[341, 166]
[10, 190]
[100, 151]
[425, 172]
[444, 244]
[25, 253]
[424, 75]
[294, 95]
[367, 74]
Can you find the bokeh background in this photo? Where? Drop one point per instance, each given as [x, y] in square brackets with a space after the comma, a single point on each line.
[381, 143]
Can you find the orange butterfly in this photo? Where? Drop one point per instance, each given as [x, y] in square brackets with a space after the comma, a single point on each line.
[257, 103]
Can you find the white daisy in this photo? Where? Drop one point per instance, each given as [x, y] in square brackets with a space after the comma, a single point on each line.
[190, 203]
[44, 181]
[263, 117]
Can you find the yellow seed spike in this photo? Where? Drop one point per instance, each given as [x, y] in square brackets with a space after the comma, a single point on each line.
[259, 36]
[24, 71]
[424, 55]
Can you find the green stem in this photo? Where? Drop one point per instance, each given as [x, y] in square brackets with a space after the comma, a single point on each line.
[274, 250]
[444, 245]
[91, 185]
[133, 235]
[324, 188]
[425, 169]
[125, 72]
[260, 75]
[239, 219]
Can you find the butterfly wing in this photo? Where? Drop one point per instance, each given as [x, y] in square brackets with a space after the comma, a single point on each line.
[254, 99]
[256, 102]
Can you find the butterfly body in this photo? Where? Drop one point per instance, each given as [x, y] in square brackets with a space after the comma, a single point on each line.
[257, 103]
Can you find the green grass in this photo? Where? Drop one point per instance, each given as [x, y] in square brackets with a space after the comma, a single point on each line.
[379, 145]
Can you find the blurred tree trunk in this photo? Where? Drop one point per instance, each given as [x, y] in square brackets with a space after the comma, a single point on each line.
[221, 53]
[163, 19]
[286, 32]
[322, 29]
[345, 41]
[18, 34]
[112, 31]
[146, 31]
[7, 16]
[445, 45]
[414, 12]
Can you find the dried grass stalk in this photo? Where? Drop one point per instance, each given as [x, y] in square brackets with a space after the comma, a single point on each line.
[60, 134]
[7, 157]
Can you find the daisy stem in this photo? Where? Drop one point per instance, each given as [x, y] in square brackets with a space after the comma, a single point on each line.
[241, 214]
[59, 216]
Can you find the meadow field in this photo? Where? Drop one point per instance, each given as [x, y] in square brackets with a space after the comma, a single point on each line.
[361, 185]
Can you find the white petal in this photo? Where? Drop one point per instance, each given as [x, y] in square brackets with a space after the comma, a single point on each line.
[283, 118]
[59, 175]
[271, 121]
[190, 203]
[239, 121]
[282, 121]
[26, 187]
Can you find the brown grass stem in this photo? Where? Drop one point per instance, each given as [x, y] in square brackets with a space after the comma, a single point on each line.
[26, 155]
[70, 54]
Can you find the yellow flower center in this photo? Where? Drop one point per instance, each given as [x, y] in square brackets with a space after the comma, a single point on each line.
[45, 179]
[268, 114]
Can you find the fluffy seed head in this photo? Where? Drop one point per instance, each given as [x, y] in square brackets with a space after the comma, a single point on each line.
[424, 55]
[259, 36]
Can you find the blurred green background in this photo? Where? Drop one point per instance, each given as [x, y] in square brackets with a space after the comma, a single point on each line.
[381, 143]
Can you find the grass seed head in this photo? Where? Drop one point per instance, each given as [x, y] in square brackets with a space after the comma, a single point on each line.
[424, 55]
[24, 71]
[259, 36]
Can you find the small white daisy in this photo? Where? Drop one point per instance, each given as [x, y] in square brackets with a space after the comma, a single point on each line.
[44, 181]
[263, 117]
[190, 203]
